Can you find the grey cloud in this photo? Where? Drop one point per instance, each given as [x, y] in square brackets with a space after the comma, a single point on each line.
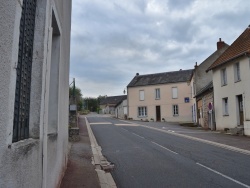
[112, 40]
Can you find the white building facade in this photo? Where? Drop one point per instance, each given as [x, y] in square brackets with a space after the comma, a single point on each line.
[232, 98]
[231, 75]
[34, 74]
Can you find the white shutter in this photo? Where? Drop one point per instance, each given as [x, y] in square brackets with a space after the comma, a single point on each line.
[141, 95]
[174, 93]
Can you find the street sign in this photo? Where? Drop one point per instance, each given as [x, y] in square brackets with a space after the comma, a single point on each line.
[186, 99]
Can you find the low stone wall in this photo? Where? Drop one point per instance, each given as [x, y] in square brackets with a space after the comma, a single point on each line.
[74, 134]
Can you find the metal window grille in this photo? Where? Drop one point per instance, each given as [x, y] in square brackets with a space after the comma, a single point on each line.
[23, 75]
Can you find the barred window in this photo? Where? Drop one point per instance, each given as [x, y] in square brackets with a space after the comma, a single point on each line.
[23, 71]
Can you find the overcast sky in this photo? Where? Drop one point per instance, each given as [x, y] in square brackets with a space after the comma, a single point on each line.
[112, 40]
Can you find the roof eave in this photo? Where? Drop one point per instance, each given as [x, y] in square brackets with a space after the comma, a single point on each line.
[231, 59]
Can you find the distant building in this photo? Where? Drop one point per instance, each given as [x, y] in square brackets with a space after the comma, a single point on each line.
[231, 75]
[34, 92]
[160, 97]
[121, 109]
[108, 104]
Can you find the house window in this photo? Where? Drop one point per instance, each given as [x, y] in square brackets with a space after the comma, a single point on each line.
[237, 72]
[225, 106]
[175, 110]
[23, 72]
[174, 92]
[157, 93]
[142, 111]
[141, 93]
[223, 77]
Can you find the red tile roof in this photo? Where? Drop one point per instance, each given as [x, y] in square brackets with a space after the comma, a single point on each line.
[240, 47]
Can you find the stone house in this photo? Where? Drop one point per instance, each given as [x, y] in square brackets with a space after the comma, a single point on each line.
[202, 88]
[231, 75]
[34, 74]
[160, 97]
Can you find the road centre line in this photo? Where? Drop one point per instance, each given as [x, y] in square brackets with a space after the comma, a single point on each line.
[163, 147]
[99, 123]
[223, 175]
[138, 135]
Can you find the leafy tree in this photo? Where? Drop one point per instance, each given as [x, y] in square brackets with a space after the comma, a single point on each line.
[77, 95]
[91, 104]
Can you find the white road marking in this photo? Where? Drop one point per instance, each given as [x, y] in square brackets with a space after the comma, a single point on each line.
[163, 147]
[138, 135]
[171, 131]
[224, 146]
[124, 129]
[120, 124]
[225, 176]
[99, 123]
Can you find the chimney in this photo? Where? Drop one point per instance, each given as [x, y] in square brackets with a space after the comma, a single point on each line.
[195, 66]
[137, 74]
[220, 44]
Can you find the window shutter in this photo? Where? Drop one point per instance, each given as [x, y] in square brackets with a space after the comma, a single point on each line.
[174, 93]
[141, 95]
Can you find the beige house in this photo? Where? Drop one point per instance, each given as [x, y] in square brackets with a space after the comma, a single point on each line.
[231, 76]
[202, 89]
[160, 97]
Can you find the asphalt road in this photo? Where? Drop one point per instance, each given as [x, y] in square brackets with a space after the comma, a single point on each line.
[149, 158]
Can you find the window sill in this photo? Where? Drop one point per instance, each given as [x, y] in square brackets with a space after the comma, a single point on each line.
[142, 116]
[225, 114]
[237, 81]
[157, 98]
[26, 144]
[223, 85]
[175, 115]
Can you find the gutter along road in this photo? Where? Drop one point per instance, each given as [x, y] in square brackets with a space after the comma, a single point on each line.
[146, 157]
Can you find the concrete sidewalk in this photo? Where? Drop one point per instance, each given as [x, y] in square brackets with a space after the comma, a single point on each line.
[80, 171]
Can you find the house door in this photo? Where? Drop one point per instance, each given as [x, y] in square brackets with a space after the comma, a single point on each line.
[158, 113]
[240, 108]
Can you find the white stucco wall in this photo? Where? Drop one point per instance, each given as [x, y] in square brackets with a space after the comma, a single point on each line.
[121, 110]
[193, 101]
[231, 90]
[165, 102]
[21, 163]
